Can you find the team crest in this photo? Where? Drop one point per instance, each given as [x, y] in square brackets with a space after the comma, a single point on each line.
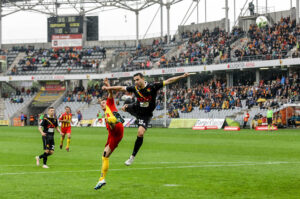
[148, 89]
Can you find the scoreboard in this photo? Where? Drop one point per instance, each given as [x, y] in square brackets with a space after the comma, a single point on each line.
[64, 25]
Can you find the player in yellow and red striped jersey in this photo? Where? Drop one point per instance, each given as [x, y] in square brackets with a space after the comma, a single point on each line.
[66, 121]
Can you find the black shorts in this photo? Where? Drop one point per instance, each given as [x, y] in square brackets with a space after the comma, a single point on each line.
[141, 120]
[269, 119]
[48, 143]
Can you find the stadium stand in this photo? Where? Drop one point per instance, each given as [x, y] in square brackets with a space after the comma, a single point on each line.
[46, 98]
[14, 104]
[212, 99]
[62, 61]
[269, 43]
[73, 105]
[206, 47]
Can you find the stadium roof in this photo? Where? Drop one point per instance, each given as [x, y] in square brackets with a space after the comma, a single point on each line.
[51, 7]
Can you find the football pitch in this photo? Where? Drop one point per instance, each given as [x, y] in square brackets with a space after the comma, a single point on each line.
[172, 163]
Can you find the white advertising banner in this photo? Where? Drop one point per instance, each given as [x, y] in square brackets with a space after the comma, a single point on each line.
[161, 71]
[210, 123]
[65, 41]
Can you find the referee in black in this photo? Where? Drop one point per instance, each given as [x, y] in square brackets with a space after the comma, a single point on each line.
[143, 108]
[46, 128]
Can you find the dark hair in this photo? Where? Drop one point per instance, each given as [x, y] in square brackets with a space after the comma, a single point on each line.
[68, 108]
[139, 74]
[51, 107]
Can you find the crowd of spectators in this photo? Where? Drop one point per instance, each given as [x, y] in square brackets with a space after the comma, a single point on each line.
[203, 47]
[208, 47]
[145, 56]
[272, 42]
[15, 97]
[69, 57]
[215, 95]
[80, 94]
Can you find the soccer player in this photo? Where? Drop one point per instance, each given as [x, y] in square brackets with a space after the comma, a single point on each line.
[270, 118]
[114, 125]
[246, 118]
[143, 108]
[99, 116]
[48, 124]
[66, 121]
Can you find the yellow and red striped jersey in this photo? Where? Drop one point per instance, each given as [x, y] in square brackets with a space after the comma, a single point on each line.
[67, 117]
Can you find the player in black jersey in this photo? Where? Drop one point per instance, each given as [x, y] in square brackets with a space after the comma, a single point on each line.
[143, 108]
[46, 128]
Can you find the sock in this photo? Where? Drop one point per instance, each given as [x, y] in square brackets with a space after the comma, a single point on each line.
[45, 158]
[43, 155]
[62, 140]
[104, 169]
[68, 142]
[137, 145]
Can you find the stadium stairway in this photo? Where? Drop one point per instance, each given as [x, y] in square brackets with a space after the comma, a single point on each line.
[176, 50]
[105, 64]
[117, 61]
[43, 100]
[89, 111]
[290, 53]
[20, 56]
[13, 110]
[1, 109]
[238, 44]
[75, 106]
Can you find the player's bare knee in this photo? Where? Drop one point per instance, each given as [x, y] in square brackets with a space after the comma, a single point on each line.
[141, 132]
[51, 152]
[46, 151]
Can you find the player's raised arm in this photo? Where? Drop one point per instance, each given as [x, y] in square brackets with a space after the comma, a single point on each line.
[115, 88]
[175, 79]
[110, 93]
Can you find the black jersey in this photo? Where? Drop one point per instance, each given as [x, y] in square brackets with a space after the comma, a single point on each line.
[146, 97]
[49, 124]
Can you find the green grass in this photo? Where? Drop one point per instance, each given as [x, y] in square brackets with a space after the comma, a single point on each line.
[202, 164]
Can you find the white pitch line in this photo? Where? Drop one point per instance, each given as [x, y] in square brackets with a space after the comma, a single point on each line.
[153, 168]
[147, 163]
[171, 185]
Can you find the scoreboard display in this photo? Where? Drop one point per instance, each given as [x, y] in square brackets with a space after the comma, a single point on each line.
[64, 25]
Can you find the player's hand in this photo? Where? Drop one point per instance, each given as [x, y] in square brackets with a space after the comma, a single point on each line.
[104, 88]
[106, 82]
[186, 74]
[124, 107]
[43, 134]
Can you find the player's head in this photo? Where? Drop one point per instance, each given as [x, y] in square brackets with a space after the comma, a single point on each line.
[51, 111]
[68, 109]
[139, 79]
[102, 102]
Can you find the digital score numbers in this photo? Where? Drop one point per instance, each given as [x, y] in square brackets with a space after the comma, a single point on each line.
[64, 25]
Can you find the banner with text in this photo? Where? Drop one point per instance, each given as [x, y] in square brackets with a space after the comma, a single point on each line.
[67, 41]
[210, 123]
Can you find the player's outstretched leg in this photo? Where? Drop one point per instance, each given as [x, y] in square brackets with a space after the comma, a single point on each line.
[137, 145]
[104, 169]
